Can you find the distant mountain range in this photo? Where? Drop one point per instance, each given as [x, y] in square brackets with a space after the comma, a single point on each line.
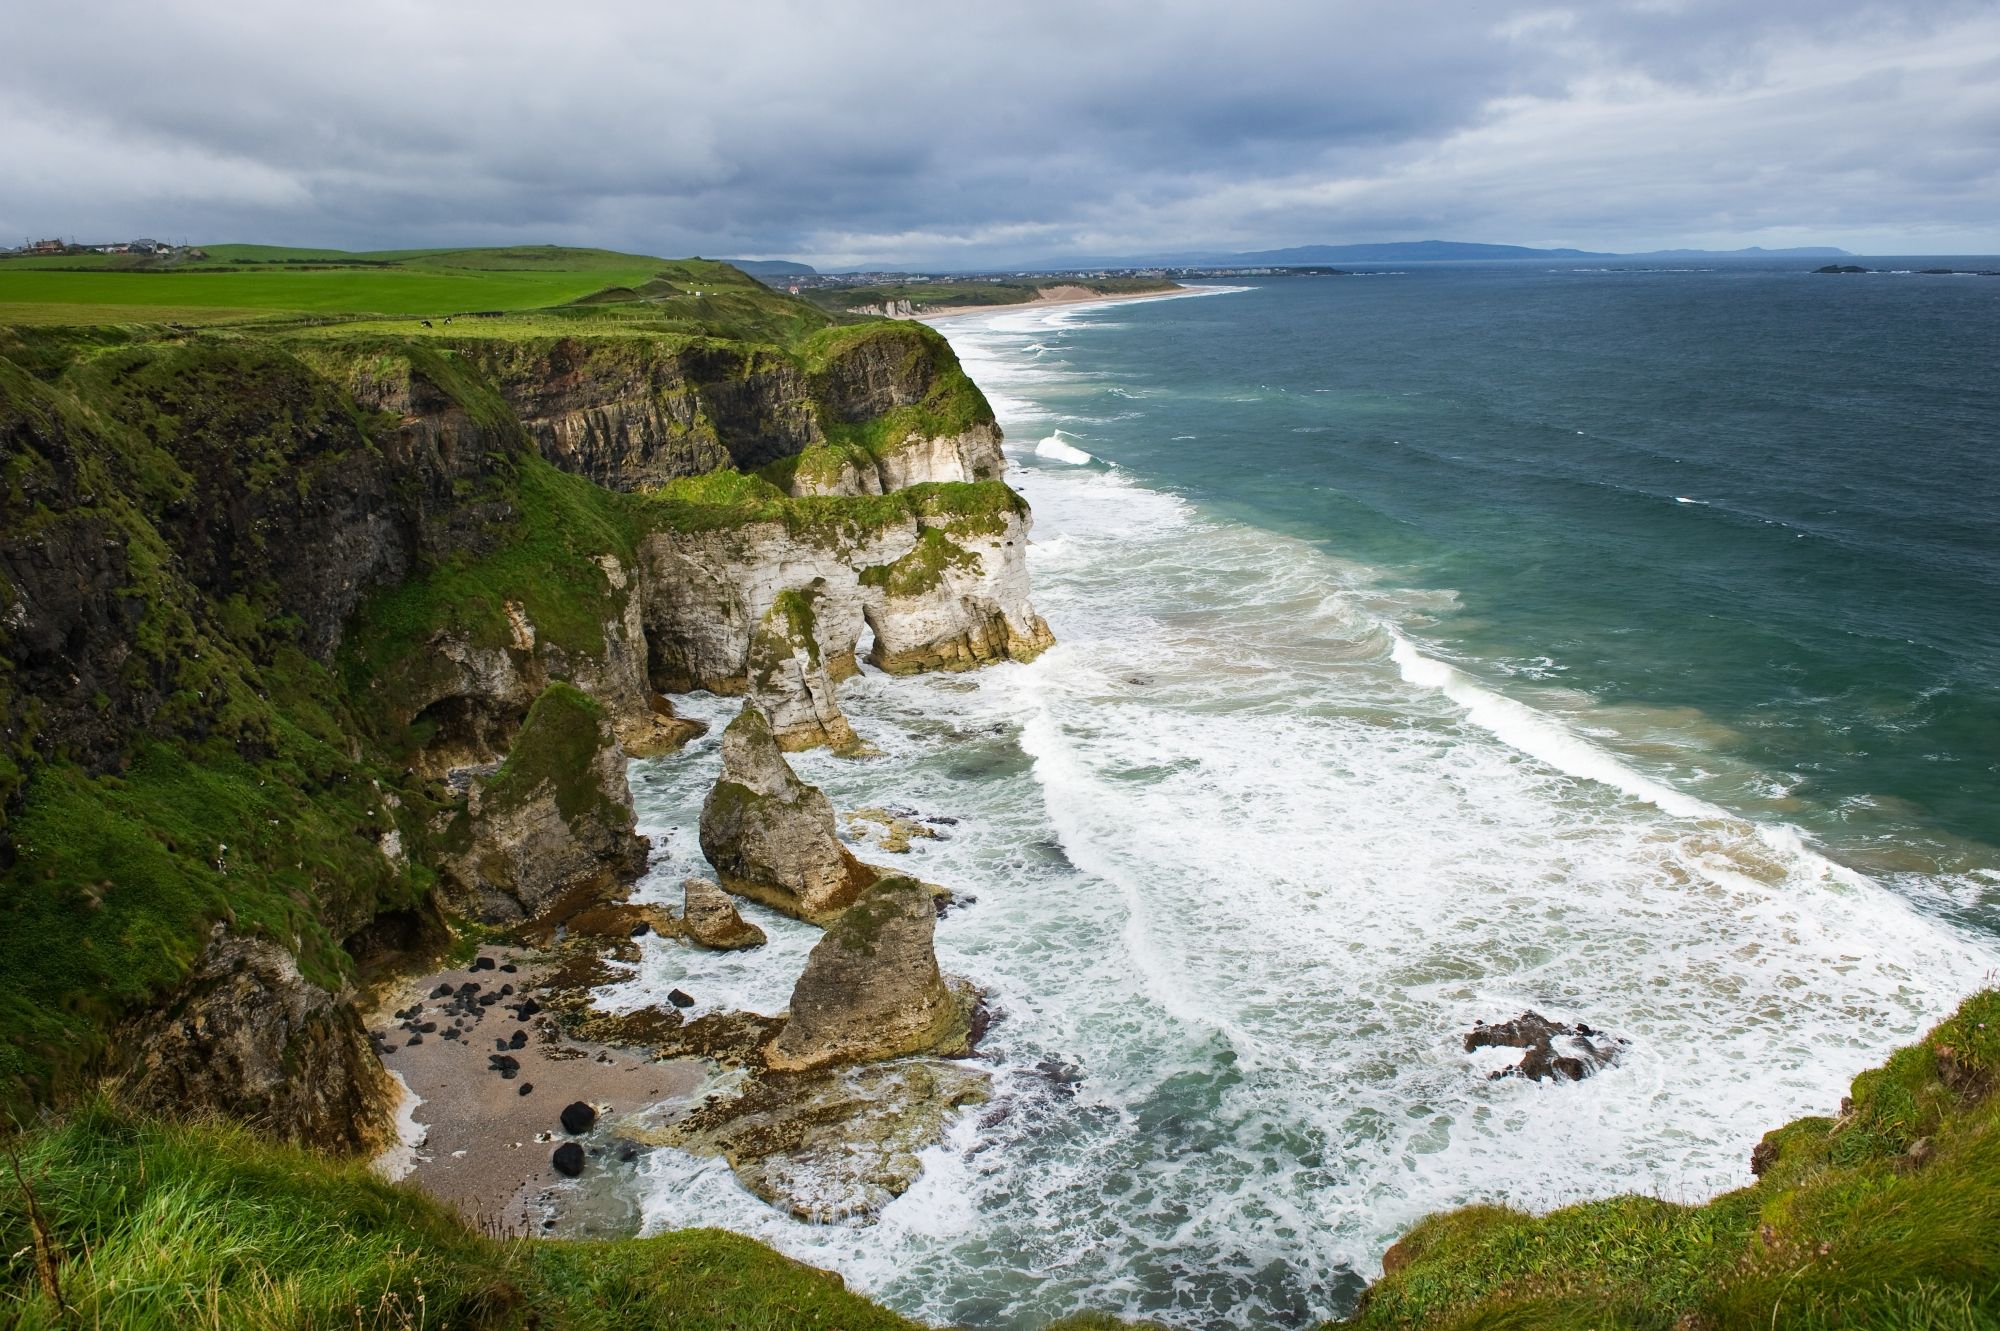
[772, 267]
[1395, 251]
[1433, 251]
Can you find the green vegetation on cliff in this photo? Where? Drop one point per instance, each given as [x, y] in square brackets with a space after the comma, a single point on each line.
[555, 750]
[724, 500]
[1887, 1216]
[209, 1227]
[228, 557]
[923, 568]
[176, 755]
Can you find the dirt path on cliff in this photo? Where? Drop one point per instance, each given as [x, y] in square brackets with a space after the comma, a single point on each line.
[489, 1132]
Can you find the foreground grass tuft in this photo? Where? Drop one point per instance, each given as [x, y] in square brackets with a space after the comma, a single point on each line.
[1888, 1216]
[210, 1228]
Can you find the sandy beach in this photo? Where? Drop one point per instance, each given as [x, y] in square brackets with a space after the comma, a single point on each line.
[1058, 295]
[480, 1134]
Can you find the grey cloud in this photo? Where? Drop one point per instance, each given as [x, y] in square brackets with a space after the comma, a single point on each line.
[920, 132]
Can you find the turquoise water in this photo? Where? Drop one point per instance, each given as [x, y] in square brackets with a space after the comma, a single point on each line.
[1432, 646]
[1755, 514]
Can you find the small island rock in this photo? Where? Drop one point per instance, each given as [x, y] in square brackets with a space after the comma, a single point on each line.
[771, 836]
[568, 1160]
[1554, 1052]
[871, 988]
[711, 918]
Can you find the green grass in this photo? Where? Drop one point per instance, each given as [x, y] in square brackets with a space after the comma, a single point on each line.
[205, 1227]
[1887, 1217]
[414, 291]
[726, 499]
[253, 283]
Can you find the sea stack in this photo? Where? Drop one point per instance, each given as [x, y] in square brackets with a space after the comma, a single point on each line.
[771, 836]
[789, 679]
[871, 988]
[554, 817]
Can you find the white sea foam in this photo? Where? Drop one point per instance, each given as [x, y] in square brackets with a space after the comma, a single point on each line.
[1056, 449]
[1251, 859]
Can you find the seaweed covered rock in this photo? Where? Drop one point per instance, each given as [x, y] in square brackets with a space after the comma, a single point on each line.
[871, 988]
[710, 918]
[555, 817]
[249, 1037]
[789, 679]
[834, 1145]
[771, 836]
[1554, 1051]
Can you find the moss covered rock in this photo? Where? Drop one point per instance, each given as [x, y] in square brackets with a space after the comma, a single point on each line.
[957, 599]
[834, 1145]
[555, 817]
[770, 836]
[251, 1038]
[871, 988]
[790, 680]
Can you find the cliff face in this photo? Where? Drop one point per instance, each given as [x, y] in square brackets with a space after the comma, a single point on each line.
[250, 1037]
[938, 576]
[632, 412]
[264, 599]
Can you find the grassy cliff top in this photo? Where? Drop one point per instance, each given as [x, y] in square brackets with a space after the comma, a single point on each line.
[548, 288]
[206, 1226]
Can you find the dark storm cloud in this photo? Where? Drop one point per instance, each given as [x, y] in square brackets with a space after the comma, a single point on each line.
[933, 133]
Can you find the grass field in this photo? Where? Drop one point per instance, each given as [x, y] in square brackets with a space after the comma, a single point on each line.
[246, 282]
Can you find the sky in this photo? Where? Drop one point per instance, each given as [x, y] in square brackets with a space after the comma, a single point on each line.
[848, 134]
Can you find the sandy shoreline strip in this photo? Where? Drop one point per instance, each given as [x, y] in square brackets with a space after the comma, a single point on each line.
[1061, 295]
[480, 1144]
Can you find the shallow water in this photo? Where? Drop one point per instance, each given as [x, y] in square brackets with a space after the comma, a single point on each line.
[1255, 845]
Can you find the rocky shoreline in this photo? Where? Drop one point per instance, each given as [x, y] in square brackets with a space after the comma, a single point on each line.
[822, 1111]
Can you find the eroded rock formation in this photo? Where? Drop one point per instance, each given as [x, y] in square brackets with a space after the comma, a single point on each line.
[788, 678]
[958, 598]
[554, 818]
[937, 587]
[249, 1037]
[872, 989]
[771, 836]
[711, 919]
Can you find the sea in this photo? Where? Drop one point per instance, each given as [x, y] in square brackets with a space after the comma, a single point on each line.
[1436, 644]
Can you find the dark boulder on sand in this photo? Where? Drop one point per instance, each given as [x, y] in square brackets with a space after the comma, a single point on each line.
[568, 1159]
[578, 1117]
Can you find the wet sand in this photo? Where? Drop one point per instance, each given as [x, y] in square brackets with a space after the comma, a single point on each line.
[486, 1144]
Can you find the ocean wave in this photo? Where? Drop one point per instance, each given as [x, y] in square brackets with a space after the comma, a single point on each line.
[1055, 449]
